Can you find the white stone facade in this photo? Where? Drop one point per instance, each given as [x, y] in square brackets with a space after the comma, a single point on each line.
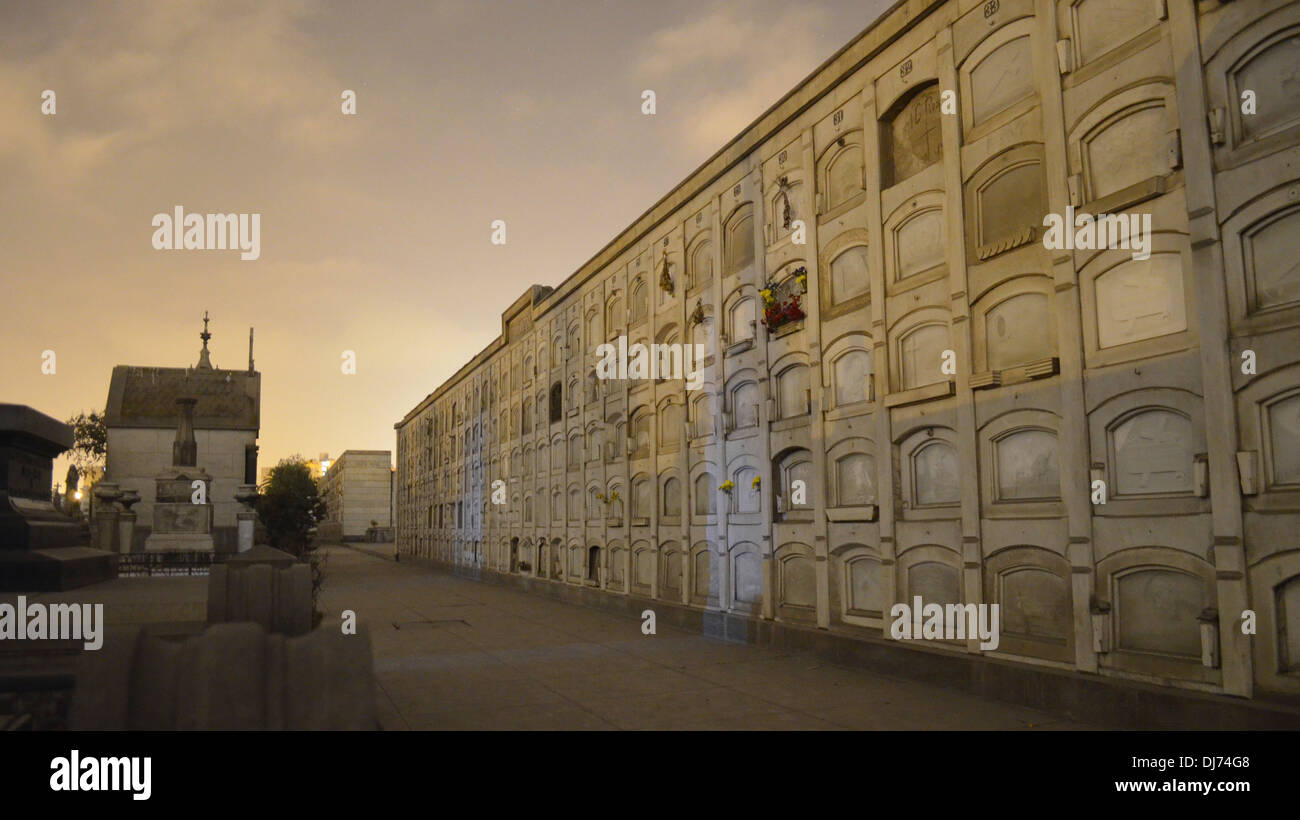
[135, 457]
[921, 160]
[357, 489]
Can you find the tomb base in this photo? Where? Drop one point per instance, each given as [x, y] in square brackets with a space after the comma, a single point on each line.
[54, 569]
[179, 542]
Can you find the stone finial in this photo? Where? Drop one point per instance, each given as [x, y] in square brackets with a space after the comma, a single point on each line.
[204, 362]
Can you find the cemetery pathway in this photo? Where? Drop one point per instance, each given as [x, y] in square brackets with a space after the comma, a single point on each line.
[452, 653]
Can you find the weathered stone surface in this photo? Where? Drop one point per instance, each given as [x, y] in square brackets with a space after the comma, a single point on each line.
[40, 547]
[277, 599]
[232, 677]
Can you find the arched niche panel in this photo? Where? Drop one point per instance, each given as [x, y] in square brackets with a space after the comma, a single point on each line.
[918, 341]
[911, 135]
[1156, 596]
[699, 265]
[851, 473]
[702, 593]
[796, 582]
[738, 248]
[864, 584]
[931, 472]
[1100, 26]
[1137, 308]
[1031, 587]
[671, 565]
[1275, 587]
[849, 370]
[840, 171]
[1261, 255]
[998, 74]
[1006, 198]
[1014, 331]
[1148, 442]
[746, 577]
[1020, 471]
[643, 566]
[932, 572]
[617, 561]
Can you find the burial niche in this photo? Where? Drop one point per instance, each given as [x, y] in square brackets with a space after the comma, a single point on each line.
[937, 477]
[1156, 612]
[748, 577]
[1284, 440]
[849, 274]
[1271, 73]
[1140, 299]
[1035, 605]
[1001, 79]
[844, 176]
[919, 243]
[1153, 453]
[798, 581]
[1287, 605]
[912, 138]
[921, 356]
[936, 583]
[1128, 149]
[1027, 466]
[1102, 25]
[854, 482]
[700, 574]
[1010, 202]
[852, 371]
[1017, 331]
[1272, 250]
[866, 585]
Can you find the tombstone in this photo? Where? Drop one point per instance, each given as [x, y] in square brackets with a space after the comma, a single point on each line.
[277, 599]
[234, 676]
[41, 549]
[179, 524]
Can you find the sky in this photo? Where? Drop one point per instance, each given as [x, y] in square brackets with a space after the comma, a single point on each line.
[375, 227]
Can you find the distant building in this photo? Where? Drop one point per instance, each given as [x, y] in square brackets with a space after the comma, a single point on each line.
[357, 489]
[141, 419]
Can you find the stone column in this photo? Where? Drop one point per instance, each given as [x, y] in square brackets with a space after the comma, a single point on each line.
[126, 521]
[106, 515]
[246, 495]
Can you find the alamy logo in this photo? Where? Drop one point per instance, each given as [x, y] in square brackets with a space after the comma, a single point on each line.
[102, 774]
[951, 622]
[656, 361]
[55, 622]
[1084, 232]
[208, 232]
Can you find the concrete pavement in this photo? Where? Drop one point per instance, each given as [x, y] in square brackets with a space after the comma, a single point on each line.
[452, 653]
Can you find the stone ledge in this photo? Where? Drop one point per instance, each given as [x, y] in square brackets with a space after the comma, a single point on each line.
[1112, 702]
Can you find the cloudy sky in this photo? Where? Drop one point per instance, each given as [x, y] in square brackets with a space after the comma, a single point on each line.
[375, 228]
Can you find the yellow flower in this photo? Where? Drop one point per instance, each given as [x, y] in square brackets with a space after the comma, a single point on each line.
[727, 486]
[757, 480]
[766, 293]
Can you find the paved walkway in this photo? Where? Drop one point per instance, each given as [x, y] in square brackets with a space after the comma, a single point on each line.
[452, 653]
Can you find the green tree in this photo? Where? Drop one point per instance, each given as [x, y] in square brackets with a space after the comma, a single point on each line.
[289, 506]
[89, 447]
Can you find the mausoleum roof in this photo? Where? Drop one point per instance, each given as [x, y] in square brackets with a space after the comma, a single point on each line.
[146, 397]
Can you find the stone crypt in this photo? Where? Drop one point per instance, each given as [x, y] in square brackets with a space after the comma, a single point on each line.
[143, 446]
[41, 548]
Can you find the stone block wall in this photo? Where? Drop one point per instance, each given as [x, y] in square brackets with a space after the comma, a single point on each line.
[1101, 443]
